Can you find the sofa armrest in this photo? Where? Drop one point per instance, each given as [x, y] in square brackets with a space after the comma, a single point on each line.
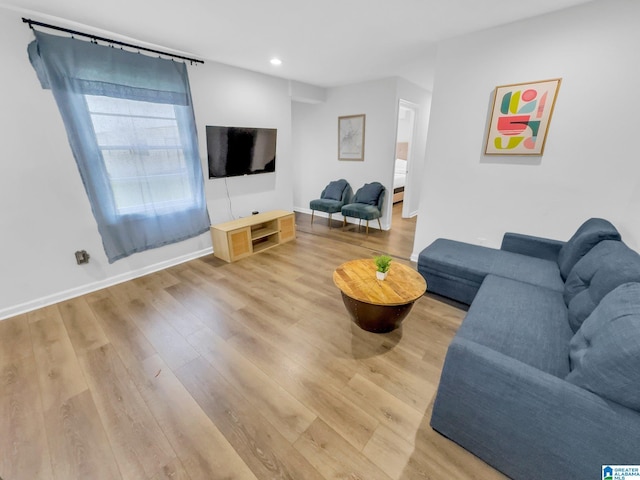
[527, 423]
[538, 247]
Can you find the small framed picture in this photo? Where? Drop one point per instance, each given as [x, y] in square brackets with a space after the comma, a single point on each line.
[520, 118]
[351, 137]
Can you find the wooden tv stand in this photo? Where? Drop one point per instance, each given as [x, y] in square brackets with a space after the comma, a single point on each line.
[245, 236]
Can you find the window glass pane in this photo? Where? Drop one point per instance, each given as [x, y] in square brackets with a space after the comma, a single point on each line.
[143, 155]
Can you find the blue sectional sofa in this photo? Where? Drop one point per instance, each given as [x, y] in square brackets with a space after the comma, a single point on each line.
[542, 379]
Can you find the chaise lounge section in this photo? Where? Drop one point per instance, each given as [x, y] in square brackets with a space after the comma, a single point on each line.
[457, 269]
[542, 380]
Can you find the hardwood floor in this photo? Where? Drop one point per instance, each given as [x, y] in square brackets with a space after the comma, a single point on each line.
[209, 370]
[397, 242]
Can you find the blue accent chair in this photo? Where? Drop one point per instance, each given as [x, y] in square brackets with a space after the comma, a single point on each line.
[366, 204]
[332, 198]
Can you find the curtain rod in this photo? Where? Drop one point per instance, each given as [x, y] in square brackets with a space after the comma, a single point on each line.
[107, 40]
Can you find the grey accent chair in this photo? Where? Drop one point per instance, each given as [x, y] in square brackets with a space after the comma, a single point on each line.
[332, 198]
[366, 204]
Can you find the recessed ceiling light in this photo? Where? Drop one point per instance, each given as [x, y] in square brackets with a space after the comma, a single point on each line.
[276, 61]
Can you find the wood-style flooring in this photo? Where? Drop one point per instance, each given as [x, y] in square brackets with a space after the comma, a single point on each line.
[397, 242]
[208, 370]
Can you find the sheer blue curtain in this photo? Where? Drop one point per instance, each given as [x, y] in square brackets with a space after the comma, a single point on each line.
[130, 123]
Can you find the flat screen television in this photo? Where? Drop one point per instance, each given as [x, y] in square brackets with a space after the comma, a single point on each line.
[235, 151]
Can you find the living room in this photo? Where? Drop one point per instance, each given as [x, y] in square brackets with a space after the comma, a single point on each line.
[588, 169]
[588, 46]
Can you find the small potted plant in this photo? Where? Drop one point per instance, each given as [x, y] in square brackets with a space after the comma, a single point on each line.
[383, 262]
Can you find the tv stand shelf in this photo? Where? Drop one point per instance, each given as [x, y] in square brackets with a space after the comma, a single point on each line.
[262, 232]
[245, 236]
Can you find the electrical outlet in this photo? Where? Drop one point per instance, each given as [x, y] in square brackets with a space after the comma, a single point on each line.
[82, 257]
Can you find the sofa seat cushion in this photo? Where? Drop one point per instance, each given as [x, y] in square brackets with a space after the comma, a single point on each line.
[522, 321]
[361, 210]
[326, 205]
[473, 263]
[605, 352]
[607, 265]
[590, 233]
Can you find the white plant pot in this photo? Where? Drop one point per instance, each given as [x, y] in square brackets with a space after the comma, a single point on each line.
[381, 275]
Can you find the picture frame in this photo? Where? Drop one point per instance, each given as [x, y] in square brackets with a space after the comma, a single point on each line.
[351, 129]
[520, 117]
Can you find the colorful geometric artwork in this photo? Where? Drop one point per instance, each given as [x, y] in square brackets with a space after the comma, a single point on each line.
[520, 118]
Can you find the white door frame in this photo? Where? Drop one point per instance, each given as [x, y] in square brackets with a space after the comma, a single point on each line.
[415, 108]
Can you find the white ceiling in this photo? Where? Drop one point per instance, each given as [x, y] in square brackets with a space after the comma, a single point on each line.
[321, 42]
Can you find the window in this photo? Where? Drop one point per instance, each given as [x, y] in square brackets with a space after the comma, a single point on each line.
[131, 127]
[143, 155]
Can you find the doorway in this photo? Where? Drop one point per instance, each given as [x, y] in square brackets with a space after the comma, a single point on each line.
[405, 130]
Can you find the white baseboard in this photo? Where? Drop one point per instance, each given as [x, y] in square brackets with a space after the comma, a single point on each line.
[92, 287]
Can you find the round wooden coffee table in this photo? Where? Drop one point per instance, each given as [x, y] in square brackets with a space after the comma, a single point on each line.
[378, 305]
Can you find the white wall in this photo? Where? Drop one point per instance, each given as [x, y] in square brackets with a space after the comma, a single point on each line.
[228, 96]
[315, 139]
[590, 167]
[421, 99]
[405, 125]
[44, 212]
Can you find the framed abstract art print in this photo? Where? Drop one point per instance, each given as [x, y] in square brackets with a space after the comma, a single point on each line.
[520, 118]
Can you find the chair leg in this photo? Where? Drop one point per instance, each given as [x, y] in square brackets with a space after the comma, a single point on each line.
[367, 227]
[344, 222]
[312, 213]
[330, 221]
[379, 224]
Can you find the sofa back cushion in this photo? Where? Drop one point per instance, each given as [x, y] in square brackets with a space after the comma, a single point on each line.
[334, 190]
[590, 233]
[369, 193]
[605, 352]
[608, 265]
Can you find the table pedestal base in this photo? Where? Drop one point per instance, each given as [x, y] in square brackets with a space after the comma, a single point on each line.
[376, 318]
